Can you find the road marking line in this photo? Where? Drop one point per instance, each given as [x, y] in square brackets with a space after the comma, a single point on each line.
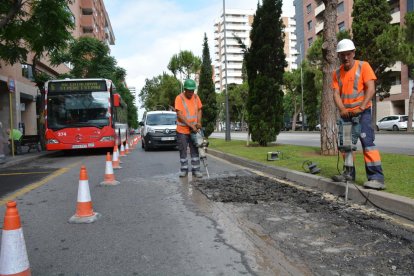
[38, 184]
[22, 173]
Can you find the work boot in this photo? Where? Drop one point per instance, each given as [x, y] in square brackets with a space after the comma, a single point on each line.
[374, 184]
[342, 178]
[197, 174]
[183, 174]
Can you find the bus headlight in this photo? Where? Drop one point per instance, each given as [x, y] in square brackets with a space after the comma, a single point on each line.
[52, 141]
[107, 138]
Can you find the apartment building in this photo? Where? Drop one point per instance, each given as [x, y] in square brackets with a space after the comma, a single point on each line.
[91, 19]
[309, 17]
[239, 24]
[290, 42]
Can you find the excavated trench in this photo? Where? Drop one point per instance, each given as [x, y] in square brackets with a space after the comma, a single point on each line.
[327, 235]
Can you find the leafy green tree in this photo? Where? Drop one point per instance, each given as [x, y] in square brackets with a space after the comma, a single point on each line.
[238, 94]
[310, 98]
[159, 92]
[265, 64]
[370, 26]
[206, 91]
[26, 26]
[406, 55]
[292, 97]
[89, 57]
[185, 63]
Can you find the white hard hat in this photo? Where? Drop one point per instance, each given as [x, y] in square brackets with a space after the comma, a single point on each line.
[345, 45]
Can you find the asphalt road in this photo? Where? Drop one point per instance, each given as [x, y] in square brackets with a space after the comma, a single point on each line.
[152, 223]
[388, 142]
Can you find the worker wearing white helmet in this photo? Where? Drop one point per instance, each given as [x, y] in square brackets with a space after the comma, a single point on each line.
[354, 87]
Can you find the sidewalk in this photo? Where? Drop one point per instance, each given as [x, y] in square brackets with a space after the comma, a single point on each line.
[22, 158]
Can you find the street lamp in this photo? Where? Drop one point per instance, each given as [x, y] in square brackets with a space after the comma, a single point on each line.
[227, 135]
[301, 86]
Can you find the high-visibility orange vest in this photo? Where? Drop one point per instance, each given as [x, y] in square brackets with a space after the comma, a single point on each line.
[189, 108]
[351, 84]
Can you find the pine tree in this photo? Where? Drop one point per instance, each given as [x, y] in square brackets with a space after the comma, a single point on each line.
[207, 92]
[265, 64]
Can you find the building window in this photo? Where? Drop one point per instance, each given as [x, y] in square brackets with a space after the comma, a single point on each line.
[396, 79]
[310, 41]
[341, 26]
[27, 71]
[309, 8]
[309, 25]
[340, 8]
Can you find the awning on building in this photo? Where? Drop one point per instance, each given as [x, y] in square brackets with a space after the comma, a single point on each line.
[26, 97]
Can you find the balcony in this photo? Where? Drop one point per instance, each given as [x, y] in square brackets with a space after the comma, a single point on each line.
[396, 18]
[86, 21]
[86, 4]
[319, 9]
[319, 27]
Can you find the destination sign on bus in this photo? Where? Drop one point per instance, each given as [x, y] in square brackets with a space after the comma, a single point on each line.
[77, 86]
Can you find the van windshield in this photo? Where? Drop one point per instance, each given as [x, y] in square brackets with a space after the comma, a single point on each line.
[161, 119]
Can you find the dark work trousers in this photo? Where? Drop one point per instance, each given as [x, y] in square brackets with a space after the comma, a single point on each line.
[372, 158]
[184, 140]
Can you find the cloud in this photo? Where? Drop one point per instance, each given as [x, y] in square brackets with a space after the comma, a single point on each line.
[149, 33]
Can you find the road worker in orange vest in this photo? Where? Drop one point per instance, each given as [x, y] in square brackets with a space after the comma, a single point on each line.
[354, 87]
[188, 107]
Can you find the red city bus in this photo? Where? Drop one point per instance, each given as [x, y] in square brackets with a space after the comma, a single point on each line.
[84, 113]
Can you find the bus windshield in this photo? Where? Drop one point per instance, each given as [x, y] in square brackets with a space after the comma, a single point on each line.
[80, 109]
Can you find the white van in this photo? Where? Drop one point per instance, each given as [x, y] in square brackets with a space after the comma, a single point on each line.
[159, 130]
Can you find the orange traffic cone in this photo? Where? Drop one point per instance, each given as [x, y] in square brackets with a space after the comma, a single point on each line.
[109, 178]
[84, 211]
[115, 159]
[122, 150]
[126, 147]
[13, 255]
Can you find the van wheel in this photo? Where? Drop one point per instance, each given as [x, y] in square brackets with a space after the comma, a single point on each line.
[395, 128]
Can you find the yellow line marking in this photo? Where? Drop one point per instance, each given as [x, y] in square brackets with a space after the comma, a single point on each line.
[22, 173]
[36, 185]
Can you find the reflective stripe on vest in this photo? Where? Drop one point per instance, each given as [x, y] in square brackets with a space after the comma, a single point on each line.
[355, 94]
[188, 116]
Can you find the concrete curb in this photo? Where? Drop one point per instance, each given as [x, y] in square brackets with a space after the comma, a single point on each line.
[21, 159]
[400, 205]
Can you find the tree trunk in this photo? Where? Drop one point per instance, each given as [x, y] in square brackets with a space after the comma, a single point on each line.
[330, 63]
[410, 112]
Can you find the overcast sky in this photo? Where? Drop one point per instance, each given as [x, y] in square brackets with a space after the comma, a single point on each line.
[149, 32]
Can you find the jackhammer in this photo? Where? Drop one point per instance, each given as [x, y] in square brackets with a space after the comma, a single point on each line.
[348, 134]
[201, 142]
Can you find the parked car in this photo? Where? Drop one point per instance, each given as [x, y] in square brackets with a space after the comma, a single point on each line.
[298, 126]
[318, 127]
[393, 122]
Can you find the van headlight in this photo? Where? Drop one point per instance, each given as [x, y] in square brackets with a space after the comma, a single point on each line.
[151, 130]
